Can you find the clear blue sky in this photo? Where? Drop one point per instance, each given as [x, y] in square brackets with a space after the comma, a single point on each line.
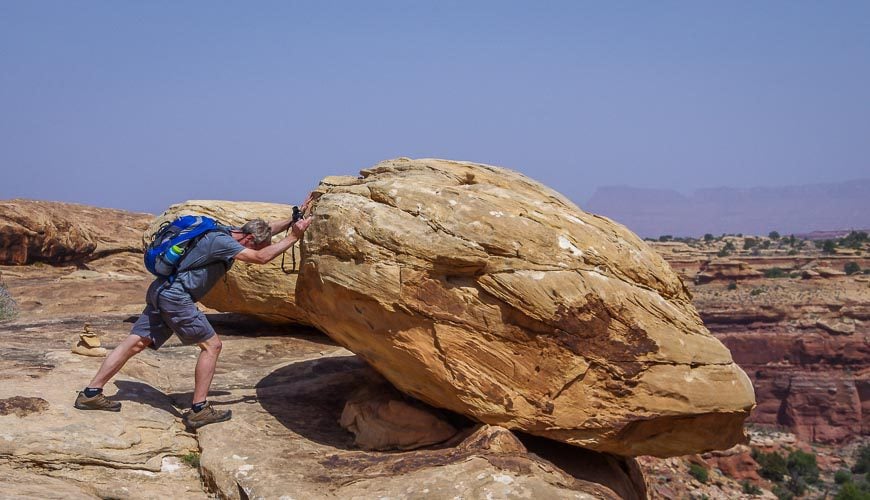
[137, 105]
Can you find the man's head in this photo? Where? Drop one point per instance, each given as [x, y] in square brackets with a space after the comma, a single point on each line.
[255, 234]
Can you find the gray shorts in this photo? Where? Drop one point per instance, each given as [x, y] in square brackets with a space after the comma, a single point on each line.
[175, 312]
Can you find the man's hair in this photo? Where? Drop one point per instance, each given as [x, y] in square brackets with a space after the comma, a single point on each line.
[259, 228]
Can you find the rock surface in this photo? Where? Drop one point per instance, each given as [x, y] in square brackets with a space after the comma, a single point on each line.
[476, 289]
[381, 419]
[265, 291]
[58, 233]
[286, 386]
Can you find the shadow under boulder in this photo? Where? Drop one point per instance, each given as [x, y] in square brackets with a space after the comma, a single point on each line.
[309, 398]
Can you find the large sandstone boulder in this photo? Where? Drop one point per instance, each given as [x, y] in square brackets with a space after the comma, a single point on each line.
[479, 290]
[61, 233]
[265, 291]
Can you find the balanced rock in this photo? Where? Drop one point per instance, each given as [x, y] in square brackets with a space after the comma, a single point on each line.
[264, 291]
[60, 233]
[476, 289]
[89, 343]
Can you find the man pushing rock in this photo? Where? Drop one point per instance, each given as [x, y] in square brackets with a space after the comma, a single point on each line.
[171, 305]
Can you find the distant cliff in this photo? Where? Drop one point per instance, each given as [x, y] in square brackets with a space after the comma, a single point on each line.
[787, 209]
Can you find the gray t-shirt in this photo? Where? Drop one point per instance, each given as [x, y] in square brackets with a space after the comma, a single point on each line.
[204, 264]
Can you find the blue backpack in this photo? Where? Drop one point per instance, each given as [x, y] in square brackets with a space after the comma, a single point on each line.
[167, 248]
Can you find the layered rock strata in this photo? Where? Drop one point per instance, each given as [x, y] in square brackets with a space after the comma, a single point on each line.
[61, 233]
[476, 289]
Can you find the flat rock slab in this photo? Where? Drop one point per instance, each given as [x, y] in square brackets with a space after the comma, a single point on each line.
[48, 449]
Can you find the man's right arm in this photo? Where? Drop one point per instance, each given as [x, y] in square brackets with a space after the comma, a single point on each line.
[265, 255]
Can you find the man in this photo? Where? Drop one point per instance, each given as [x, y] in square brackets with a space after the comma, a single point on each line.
[171, 307]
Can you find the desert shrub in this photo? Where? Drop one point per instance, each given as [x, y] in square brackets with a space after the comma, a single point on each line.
[852, 268]
[756, 291]
[708, 238]
[852, 491]
[729, 246]
[665, 237]
[803, 465]
[8, 306]
[855, 239]
[773, 235]
[732, 285]
[765, 244]
[191, 459]
[749, 488]
[782, 493]
[749, 243]
[829, 246]
[862, 464]
[773, 465]
[796, 485]
[793, 251]
[842, 476]
[699, 473]
[723, 253]
[775, 272]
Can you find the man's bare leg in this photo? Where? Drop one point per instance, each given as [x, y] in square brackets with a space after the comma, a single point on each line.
[205, 367]
[116, 359]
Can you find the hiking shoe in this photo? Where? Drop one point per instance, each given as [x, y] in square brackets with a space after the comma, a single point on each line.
[98, 402]
[208, 415]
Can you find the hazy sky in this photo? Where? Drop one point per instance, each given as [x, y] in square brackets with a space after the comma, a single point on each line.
[140, 104]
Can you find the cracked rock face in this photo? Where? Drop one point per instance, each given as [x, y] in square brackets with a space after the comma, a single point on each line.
[479, 290]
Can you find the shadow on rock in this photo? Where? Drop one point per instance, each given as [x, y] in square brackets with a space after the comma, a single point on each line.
[620, 474]
[129, 390]
[308, 397]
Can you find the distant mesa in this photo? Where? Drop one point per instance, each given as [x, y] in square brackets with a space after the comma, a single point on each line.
[787, 209]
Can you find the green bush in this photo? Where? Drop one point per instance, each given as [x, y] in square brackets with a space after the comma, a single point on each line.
[708, 237]
[756, 291]
[782, 493]
[665, 237]
[8, 306]
[862, 464]
[749, 488]
[749, 243]
[723, 253]
[852, 491]
[854, 239]
[191, 459]
[852, 268]
[699, 473]
[842, 476]
[773, 465]
[773, 235]
[732, 285]
[775, 272]
[829, 246]
[803, 465]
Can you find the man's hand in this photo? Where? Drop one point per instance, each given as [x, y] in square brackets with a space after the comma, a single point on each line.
[298, 228]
